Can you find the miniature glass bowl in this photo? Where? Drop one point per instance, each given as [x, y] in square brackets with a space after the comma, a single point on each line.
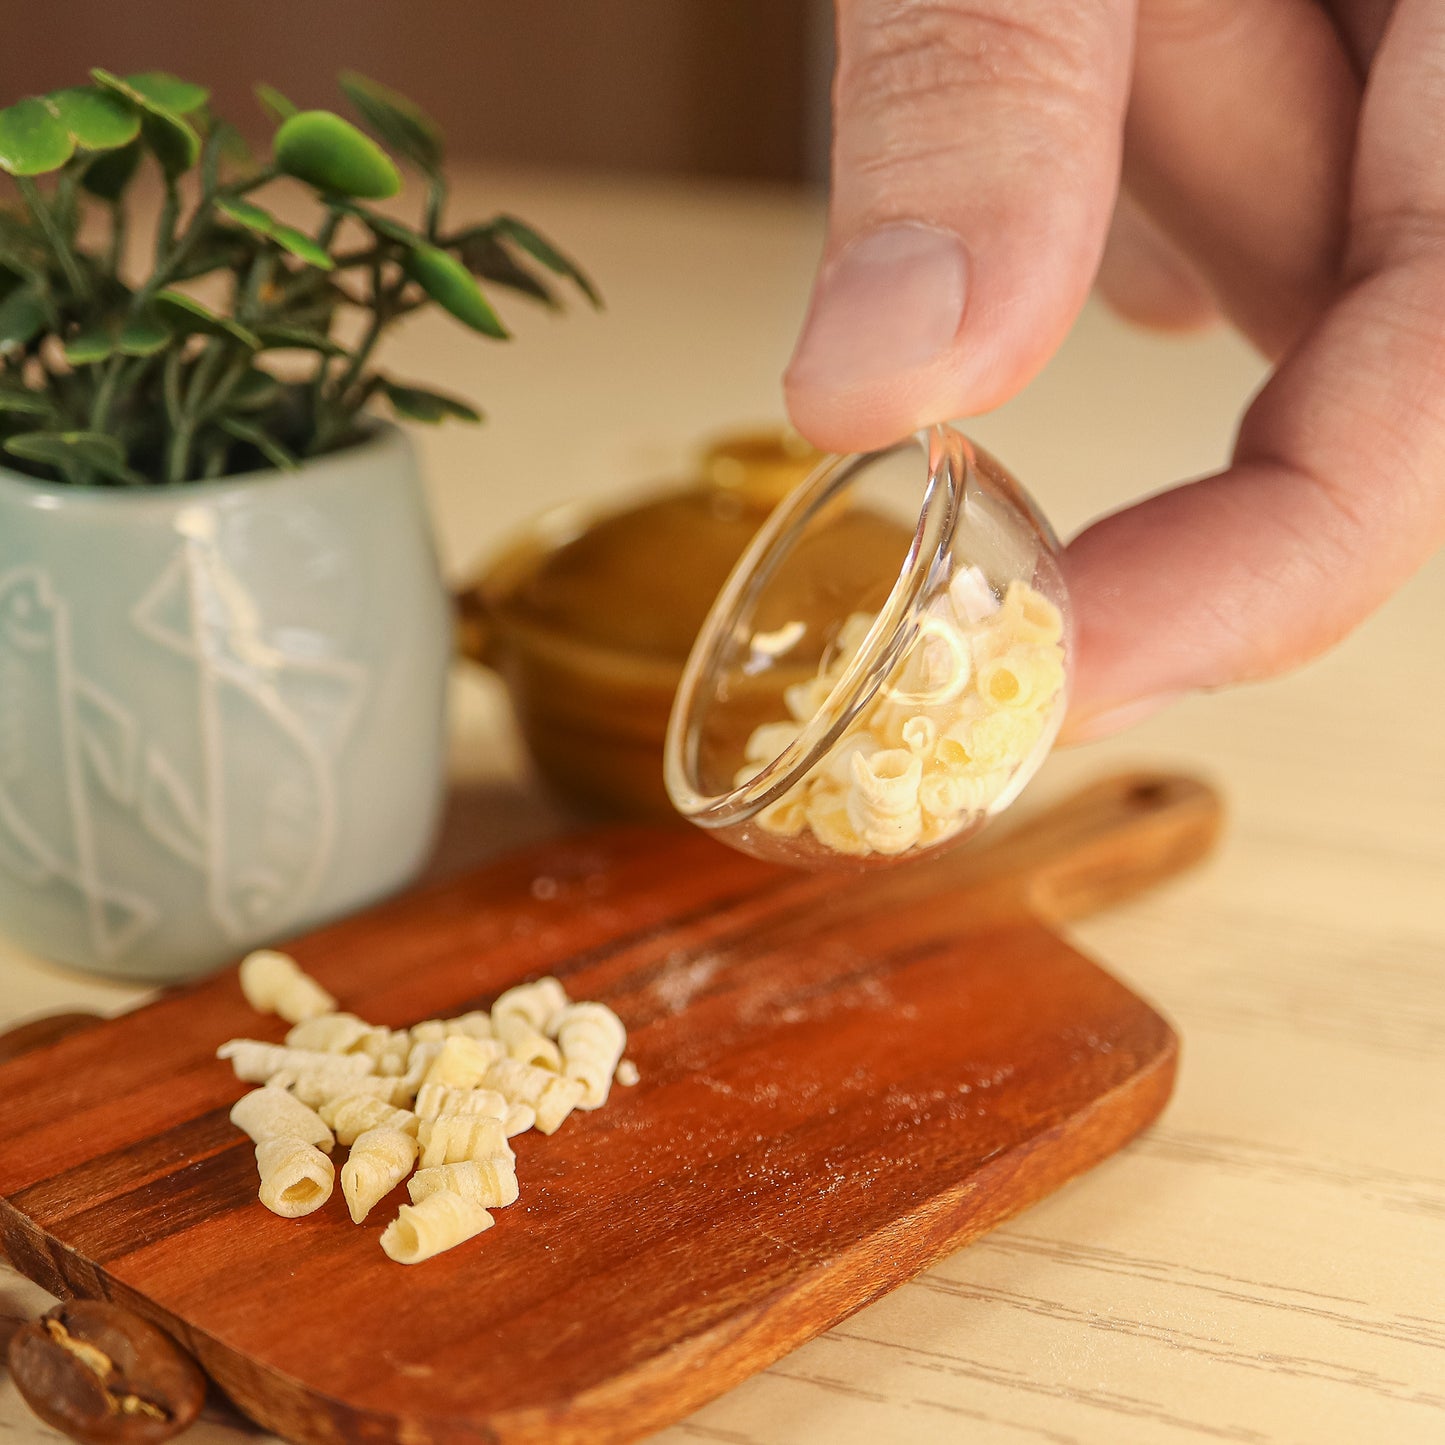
[886, 667]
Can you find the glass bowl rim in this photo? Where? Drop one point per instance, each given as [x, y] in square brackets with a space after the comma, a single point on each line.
[951, 463]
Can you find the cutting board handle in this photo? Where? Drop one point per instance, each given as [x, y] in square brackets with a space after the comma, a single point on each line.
[1116, 838]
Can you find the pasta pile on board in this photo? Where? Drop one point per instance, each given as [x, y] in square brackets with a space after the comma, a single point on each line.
[442, 1098]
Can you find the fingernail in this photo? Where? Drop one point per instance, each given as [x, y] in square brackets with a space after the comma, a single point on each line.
[1116, 719]
[892, 300]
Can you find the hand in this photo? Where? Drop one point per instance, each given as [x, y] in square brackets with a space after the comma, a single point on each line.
[1284, 161]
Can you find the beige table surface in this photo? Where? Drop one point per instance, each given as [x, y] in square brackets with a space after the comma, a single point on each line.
[1266, 1265]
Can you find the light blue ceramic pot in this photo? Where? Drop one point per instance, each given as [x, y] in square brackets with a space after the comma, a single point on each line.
[221, 708]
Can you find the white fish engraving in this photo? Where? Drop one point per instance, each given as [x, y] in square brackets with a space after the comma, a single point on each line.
[57, 725]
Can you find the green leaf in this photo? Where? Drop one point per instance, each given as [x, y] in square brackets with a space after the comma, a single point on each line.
[400, 122]
[17, 399]
[33, 139]
[297, 338]
[271, 99]
[247, 213]
[70, 450]
[539, 248]
[90, 344]
[263, 441]
[187, 314]
[163, 91]
[173, 140]
[259, 220]
[175, 145]
[329, 153]
[383, 226]
[303, 247]
[418, 404]
[143, 335]
[109, 174]
[255, 391]
[223, 248]
[235, 151]
[451, 286]
[98, 120]
[22, 318]
[483, 255]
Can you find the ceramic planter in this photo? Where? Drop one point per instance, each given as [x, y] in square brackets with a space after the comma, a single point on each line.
[221, 708]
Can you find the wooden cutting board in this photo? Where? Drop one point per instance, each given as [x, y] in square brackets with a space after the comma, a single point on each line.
[843, 1079]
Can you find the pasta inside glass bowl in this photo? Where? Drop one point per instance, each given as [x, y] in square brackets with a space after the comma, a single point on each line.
[886, 667]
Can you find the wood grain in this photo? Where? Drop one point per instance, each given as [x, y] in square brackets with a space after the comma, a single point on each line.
[843, 1079]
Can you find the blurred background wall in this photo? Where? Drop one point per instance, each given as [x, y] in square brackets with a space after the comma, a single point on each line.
[733, 88]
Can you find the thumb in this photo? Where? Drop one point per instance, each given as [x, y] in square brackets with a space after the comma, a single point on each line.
[975, 163]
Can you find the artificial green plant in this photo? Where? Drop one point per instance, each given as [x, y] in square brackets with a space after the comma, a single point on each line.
[175, 373]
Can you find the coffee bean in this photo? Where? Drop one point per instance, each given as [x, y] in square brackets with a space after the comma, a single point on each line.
[105, 1376]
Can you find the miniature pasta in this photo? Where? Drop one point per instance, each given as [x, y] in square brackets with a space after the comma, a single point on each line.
[553, 1096]
[1022, 678]
[527, 1043]
[830, 824]
[971, 597]
[318, 1086]
[943, 742]
[769, 739]
[1030, 616]
[355, 1114]
[255, 1061]
[389, 1053]
[437, 1099]
[380, 1159]
[477, 1023]
[328, 1033]
[491, 1183]
[461, 1061]
[537, 1002]
[270, 1113]
[936, 668]
[273, 983]
[788, 816]
[438, 1102]
[440, 1222]
[518, 1119]
[452, 1138]
[592, 1039]
[421, 1056]
[296, 1177]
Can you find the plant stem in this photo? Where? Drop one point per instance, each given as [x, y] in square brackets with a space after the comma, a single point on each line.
[165, 236]
[105, 393]
[331, 418]
[263, 263]
[436, 200]
[171, 387]
[253, 183]
[205, 368]
[175, 250]
[53, 234]
[221, 393]
[115, 252]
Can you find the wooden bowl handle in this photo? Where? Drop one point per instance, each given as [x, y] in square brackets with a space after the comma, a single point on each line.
[475, 636]
[1115, 839]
